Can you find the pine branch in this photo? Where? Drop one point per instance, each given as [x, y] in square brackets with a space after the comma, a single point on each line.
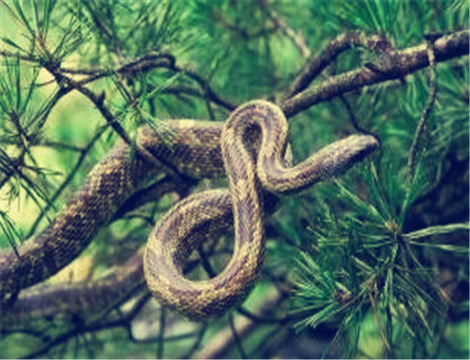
[395, 66]
[343, 42]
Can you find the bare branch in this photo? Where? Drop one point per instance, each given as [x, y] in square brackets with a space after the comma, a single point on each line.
[343, 42]
[395, 65]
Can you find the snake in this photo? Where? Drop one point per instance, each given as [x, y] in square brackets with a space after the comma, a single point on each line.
[249, 148]
[85, 300]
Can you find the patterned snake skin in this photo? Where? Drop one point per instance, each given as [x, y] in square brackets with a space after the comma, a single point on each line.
[250, 147]
[250, 175]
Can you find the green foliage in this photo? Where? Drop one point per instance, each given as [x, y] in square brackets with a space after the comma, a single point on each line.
[367, 261]
[366, 253]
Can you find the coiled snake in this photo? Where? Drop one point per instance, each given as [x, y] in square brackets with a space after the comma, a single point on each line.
[250, 147]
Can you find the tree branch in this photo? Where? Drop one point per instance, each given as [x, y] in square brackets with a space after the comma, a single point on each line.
[345, 41]
[393, 66]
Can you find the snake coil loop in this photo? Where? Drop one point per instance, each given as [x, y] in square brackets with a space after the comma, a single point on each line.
[250, 175]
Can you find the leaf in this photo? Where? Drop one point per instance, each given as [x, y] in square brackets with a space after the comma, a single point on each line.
[12, 43]
[436, 230]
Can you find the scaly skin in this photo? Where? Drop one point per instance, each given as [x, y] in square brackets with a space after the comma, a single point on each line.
[196, 217]
[198, 150]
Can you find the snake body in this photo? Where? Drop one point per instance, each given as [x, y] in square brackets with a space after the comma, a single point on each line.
[249, 148]
[77, 300]
[189, 147]
[250, 174]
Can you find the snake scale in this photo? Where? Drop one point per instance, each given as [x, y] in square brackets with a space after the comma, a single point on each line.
[249, 148]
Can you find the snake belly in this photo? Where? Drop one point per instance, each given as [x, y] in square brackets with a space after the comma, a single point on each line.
[251, 171]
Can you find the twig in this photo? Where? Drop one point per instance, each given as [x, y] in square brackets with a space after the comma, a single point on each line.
[153, 193]
[247, 33]
[98, 326]
[353, 119]
[288, 31]
[160, 339]
[262, 319]
[33, 135]
[197, 343]
[427, 108]
[64, 184]
[141, 64]
[209, 93]
[236, 338]
[110, 118]
[223, 341]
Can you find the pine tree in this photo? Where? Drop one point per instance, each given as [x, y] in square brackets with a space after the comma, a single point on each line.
[372, 264]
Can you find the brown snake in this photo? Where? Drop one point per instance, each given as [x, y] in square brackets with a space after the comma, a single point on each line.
[250, 146]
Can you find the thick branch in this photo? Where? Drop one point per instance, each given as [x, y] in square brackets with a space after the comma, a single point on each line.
[335, 47]
[395, 66]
